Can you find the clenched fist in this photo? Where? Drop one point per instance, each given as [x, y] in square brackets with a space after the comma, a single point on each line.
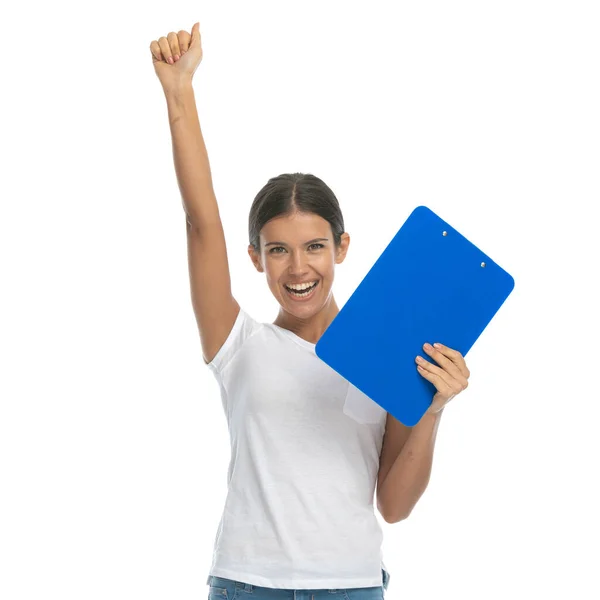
[177, 56]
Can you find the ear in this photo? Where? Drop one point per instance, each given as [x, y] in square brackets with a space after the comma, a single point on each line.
[255, 258]
[340, 254]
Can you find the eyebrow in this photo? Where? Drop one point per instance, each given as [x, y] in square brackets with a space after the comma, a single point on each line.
[306, 243]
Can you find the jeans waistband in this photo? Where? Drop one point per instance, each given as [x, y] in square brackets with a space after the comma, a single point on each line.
[385, 580]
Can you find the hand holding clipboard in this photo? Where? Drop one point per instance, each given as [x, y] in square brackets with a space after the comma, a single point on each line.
[430, 283]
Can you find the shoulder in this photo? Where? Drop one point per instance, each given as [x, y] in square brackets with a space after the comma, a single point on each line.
[244, 327]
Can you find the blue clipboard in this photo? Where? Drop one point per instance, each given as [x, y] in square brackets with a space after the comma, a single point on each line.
[430, 284]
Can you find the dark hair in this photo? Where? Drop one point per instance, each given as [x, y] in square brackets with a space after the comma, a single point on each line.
[288, 192]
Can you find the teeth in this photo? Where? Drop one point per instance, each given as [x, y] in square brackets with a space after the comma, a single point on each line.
[302, 286]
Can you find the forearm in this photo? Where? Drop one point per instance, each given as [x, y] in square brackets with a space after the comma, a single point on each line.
[190, 157]
[409, 475]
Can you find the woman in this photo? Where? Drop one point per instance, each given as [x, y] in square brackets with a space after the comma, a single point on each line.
[306, 459]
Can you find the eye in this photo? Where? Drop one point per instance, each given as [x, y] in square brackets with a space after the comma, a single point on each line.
[316, 246]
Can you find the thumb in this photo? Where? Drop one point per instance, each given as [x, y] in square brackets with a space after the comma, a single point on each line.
[195, 34]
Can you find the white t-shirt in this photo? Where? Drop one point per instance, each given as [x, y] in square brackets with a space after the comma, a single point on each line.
[305, 446]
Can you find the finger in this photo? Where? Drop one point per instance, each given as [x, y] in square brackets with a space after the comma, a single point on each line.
[163, 42]
[184, 40]
[425, 366]
[455, 384]
[195, 34]
[155, 49]
[455, 356]
[440, 384]
[448, 357]
[174, 43]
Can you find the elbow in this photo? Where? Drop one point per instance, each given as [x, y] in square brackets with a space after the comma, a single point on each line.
[392, 516]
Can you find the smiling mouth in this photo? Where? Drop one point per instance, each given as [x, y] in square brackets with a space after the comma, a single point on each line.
[301, 293]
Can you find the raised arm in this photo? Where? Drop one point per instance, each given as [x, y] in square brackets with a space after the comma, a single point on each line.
[214, 306]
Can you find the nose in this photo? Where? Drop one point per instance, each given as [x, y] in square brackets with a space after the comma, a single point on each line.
[298, 266]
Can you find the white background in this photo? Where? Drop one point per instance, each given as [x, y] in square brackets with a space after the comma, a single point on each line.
[113, 443]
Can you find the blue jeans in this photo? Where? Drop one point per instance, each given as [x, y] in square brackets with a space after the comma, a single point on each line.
[227, 589]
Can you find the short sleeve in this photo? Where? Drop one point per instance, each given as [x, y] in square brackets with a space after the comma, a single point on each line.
[243, 327]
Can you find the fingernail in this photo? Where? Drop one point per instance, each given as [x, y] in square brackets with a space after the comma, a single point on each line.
[177, 57]
[170, 60]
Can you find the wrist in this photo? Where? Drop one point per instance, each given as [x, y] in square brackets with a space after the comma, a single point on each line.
[177, 88]
[435, 413]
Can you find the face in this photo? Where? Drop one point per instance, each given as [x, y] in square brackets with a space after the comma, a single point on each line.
[299, 249]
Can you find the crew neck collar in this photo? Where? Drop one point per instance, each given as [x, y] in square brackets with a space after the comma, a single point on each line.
[296, 338]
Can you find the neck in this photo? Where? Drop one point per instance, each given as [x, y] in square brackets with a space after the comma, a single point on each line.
[309, 329]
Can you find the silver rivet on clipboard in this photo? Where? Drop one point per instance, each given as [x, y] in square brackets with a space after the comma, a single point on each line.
[445, 233]
[483, 264]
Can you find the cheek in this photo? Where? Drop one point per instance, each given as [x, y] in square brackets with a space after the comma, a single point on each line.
[273, 271]
[325, 264]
